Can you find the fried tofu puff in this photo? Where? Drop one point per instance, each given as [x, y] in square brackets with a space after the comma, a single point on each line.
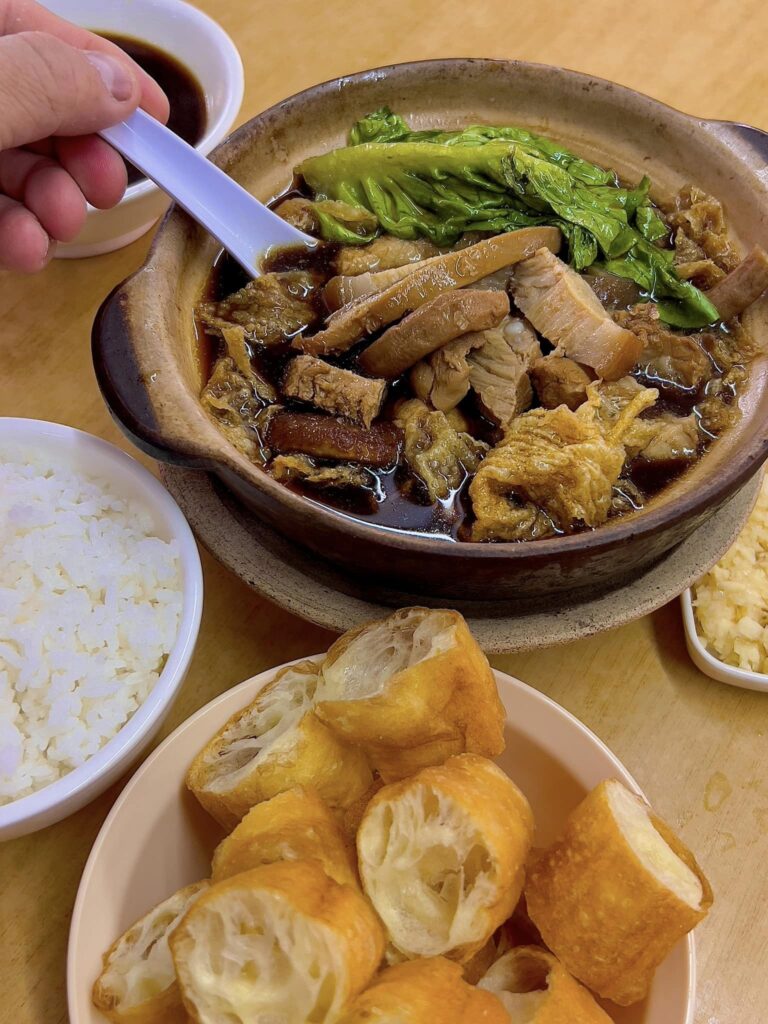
[441, 857]
[424, 992]
[411, 690]
[534, 987]
[295, 825]
[615, 893]
[137, 984]
[273, 744]
[282, 943]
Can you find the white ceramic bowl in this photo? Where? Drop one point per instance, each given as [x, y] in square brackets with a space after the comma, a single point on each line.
[708, 663]
[200, 44]
[157, 838]
[128, 477]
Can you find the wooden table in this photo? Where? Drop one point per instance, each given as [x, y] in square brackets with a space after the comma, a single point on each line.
[698, 748]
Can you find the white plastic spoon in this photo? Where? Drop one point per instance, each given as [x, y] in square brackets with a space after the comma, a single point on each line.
[244, 226]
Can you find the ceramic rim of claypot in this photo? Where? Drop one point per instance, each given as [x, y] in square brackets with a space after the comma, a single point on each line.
[142, 430]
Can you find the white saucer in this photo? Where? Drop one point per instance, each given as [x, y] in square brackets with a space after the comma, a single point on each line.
[157, 838]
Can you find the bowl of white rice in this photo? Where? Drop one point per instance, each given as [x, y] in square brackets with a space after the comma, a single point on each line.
[100, 601]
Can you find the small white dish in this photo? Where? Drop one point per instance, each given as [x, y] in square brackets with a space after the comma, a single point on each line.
[200, 44]
[708, 663]
[157, 837]
[128, 477]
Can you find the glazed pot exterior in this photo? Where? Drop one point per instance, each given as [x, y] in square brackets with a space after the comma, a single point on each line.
[453, 571]
[147, 354]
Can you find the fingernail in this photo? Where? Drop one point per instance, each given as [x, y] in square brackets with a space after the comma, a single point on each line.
[113, 73]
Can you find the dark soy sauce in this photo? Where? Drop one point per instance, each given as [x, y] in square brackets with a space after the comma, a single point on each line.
[188, 118]
[652, 476]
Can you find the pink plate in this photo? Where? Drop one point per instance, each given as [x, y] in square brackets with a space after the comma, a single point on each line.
[157, 838]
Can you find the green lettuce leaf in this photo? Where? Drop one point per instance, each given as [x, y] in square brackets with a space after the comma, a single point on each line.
[420, 190]
[439, 185]
[649, 223]
[380, 126]
[680, 303]
[384, 126]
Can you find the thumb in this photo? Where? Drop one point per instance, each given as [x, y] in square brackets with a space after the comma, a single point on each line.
[48, 87]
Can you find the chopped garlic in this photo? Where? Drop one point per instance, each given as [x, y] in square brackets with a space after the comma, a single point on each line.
[731, 601]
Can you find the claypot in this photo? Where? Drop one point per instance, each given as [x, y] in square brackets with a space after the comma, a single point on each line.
[145, 347]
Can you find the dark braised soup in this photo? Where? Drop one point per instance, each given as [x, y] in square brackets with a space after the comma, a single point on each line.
[494, 341]
[185, 95]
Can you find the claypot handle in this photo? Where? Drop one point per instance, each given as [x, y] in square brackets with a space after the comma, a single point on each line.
[755, 138]
[125, 386]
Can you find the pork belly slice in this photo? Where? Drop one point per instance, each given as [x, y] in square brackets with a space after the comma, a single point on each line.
[384, 253]
[558, 380]
[431, 326]
[494, 363]
[665, 354]
[442, 274]
[333, 389]
[498, 370]
[343, 288]
[743, 286]
[326, 437]
[561, 306]
[270, 308]
[442, 380]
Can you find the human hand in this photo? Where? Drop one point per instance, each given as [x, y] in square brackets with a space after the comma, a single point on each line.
[58, 85]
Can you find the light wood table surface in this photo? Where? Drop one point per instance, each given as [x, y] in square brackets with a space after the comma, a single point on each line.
[698, 748]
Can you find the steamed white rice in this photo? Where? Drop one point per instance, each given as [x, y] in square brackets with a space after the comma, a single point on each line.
[731, 601]
[90, 602]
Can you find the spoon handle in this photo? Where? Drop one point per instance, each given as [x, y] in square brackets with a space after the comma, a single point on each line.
[243, 225]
